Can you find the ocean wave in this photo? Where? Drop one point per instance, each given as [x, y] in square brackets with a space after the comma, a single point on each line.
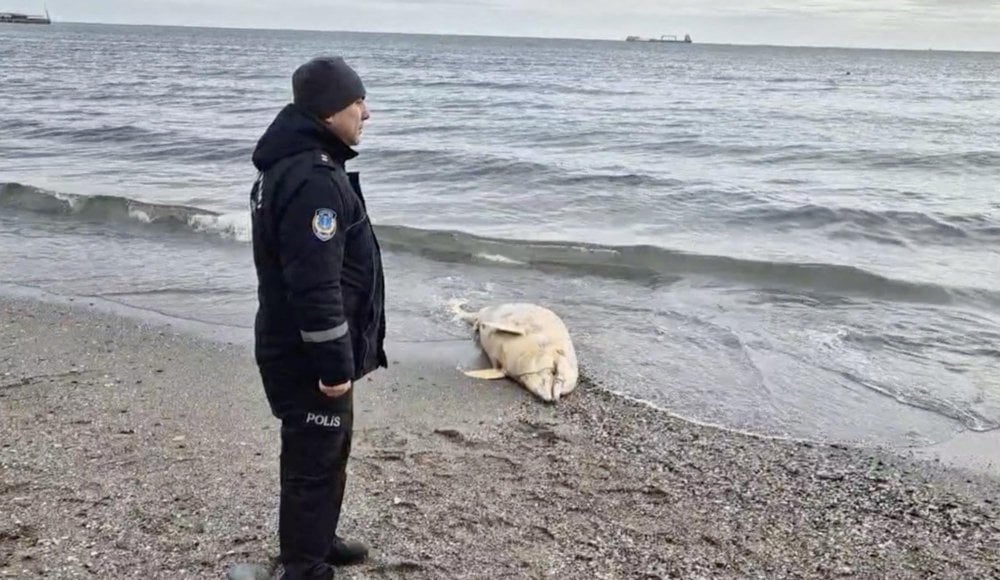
[653, 264]
[644, 264]
[792, 154]
[954, 162]
[104, 134]
[203, 151]
[16, 123]
[886, 226]
[535, 87]
[120, 210]
[148, 144]
[455, 167]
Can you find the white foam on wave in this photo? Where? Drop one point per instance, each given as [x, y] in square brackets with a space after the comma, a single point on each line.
[139, 215]
[71, 200]
[234, 226]
[500, 259]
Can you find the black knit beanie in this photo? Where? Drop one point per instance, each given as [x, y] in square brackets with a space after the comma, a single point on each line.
[325, 85]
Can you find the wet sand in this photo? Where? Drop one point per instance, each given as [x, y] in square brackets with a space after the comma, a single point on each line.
[138, 450]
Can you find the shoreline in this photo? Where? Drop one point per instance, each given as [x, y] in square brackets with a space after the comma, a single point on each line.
[133, 449]
[977, 453]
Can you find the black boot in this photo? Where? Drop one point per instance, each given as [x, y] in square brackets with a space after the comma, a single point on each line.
[345, 552]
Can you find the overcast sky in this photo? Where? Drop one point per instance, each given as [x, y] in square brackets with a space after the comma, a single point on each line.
[918, 24]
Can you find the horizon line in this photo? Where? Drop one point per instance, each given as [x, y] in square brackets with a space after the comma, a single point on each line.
[527, 37]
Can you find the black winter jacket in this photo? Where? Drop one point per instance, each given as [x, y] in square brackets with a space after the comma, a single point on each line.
[321, 305]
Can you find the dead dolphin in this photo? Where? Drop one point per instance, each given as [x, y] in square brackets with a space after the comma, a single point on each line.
[527, 343]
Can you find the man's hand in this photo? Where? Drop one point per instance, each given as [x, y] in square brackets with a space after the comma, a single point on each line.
[335, 391]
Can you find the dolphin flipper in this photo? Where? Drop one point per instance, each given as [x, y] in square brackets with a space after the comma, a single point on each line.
[509, 329]
[486, 374]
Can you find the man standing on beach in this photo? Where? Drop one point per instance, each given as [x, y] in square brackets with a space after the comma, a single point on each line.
[320, 323]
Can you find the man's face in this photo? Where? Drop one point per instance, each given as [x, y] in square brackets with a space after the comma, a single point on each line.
[348, 124]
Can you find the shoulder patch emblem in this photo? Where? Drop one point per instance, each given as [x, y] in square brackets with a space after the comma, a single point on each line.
[324, 224]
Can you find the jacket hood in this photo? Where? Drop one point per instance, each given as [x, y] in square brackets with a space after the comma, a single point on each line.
[292, 132]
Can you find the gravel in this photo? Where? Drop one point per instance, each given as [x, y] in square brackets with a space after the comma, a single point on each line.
[133, 450]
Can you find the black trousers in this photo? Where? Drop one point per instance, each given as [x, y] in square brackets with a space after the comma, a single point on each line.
[315, 447]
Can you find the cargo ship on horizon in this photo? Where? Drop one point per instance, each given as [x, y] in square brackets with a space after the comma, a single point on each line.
[664, 38]
[17, 18]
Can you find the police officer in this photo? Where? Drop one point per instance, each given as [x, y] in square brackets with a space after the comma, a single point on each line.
[320, 322]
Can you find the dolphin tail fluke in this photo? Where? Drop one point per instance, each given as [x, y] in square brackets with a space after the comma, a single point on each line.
[460, 313]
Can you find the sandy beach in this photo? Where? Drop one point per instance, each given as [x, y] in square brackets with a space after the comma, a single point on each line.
[137, 450]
